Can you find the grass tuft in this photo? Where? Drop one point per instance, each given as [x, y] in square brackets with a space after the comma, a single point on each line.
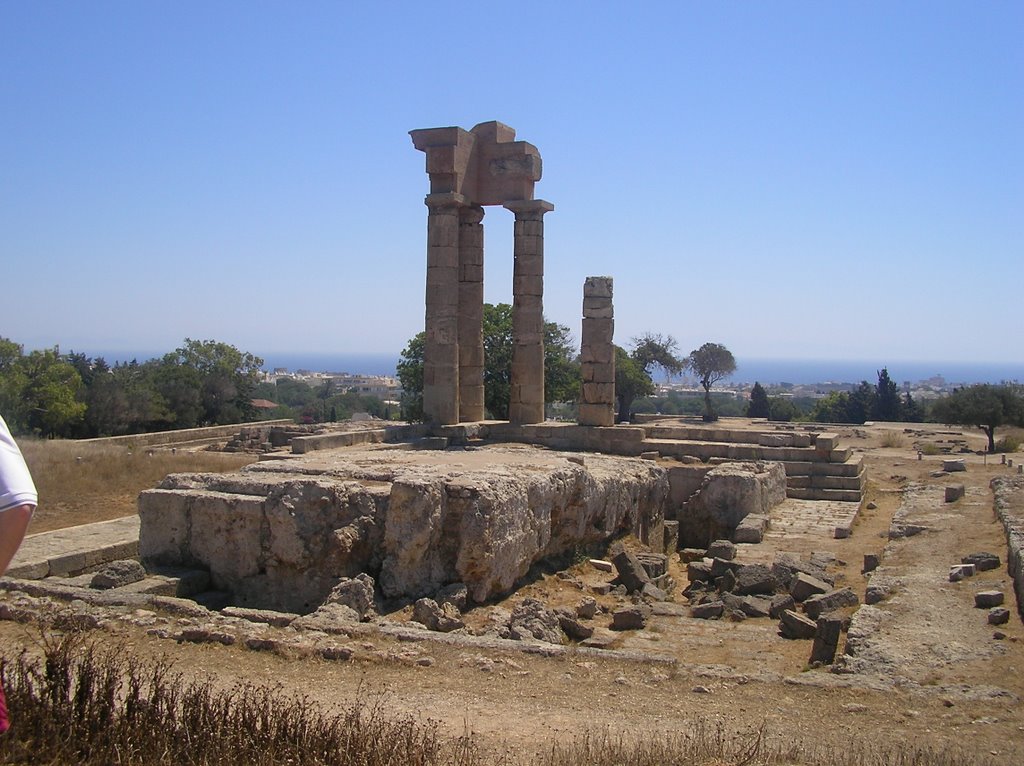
[90, 705]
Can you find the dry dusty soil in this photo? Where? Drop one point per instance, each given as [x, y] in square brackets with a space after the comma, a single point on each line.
[933, 672]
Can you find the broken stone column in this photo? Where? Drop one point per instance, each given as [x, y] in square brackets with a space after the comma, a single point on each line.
[441, 347]
[597, 354]
[471, 314]
[526, 401]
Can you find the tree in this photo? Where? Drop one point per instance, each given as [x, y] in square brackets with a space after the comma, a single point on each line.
[711, 363]
[983, 406]
[652, 351]
[759, 406]
[886, 404]
[226, 379]
[410, 375]
[50, 394]
[561, 370]
[632, 381]
[633, 371]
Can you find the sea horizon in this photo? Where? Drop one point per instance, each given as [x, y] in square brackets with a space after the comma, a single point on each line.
[767, 371]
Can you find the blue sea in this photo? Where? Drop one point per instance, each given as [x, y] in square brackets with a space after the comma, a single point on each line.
[748, 370]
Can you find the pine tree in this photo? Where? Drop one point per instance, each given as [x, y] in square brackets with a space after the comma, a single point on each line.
[759, 406]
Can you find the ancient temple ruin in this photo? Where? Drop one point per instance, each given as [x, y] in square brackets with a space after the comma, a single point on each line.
[468, 171]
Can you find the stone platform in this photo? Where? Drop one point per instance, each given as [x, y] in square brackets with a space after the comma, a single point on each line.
[281, 534]
[73, 550]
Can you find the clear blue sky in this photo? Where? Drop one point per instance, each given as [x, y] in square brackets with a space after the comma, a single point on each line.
[796, 180]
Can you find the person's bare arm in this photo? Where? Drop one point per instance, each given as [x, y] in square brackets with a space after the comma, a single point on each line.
[13, 524]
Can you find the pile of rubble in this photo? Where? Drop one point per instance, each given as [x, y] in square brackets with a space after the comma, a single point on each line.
[800, 594]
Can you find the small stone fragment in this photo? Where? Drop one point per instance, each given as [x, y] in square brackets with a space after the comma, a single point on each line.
[998, 615]
[988, 598]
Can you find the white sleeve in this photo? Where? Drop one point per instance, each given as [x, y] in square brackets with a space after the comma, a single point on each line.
[16, 486]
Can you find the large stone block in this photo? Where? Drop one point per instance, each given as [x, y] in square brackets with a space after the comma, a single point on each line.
[729, 493]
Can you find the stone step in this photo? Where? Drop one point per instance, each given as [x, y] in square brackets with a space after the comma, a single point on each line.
[813, 493]
[826, 482]
[733, 451]
[853, 466]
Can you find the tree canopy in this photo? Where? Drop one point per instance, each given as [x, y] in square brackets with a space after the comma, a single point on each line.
[711, 363]
[983, 406]
[53, 394]
[561, 370]
[633, 370]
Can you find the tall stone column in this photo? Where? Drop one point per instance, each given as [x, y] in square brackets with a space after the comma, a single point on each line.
[597, 354]
[526, 403]
[471, 314]
[441, 348]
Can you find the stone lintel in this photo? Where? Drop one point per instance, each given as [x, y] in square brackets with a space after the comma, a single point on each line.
[446, 199]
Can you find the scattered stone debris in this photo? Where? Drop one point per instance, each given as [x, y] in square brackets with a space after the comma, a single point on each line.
[954, 492]
[983, 561]
[985, 599]
[998, 615]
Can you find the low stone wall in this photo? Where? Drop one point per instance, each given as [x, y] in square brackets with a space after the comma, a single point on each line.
[183, 435]
[281, 535]
[1009, 507]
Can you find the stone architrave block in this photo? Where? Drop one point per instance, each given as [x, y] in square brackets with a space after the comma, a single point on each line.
[826, 639]
[721, 549]
[983, 561]
[954, 465]
[751, 529]
[780, 603]
[633, 617]
[794, 625]
[998, 616]
[708, 611]
[986, 599]
[958, 572]
[754, 579]
[631, 571]
[817, 605]
[803, 586]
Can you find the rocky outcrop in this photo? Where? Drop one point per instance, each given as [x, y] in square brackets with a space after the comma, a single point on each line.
[282, 535]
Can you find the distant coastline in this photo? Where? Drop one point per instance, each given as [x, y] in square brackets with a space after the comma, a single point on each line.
[765, 371]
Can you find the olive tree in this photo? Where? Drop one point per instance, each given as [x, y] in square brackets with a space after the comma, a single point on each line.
[711, 363]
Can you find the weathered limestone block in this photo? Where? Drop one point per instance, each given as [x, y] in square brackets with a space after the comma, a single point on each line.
[282, 535]
[728, 494]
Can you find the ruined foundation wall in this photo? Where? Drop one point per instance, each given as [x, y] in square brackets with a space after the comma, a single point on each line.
[1009, 507]
[281, 535]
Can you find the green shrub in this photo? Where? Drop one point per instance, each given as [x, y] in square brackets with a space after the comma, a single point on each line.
[1008, 444]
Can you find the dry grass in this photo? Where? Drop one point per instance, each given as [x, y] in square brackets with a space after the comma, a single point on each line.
[893, 439]
[82, 482]
[83, 702]
[90, 705]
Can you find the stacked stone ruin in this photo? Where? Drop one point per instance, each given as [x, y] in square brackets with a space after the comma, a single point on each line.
[597, 354]
[468, 171]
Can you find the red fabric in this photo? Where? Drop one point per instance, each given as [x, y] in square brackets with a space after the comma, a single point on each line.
[5, 722]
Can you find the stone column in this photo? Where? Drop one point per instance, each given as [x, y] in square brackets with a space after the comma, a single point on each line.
[526, 403]
[597, 354]
[441, 349]
[471, 314]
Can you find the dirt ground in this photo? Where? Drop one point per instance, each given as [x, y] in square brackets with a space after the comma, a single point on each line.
[935, 674]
